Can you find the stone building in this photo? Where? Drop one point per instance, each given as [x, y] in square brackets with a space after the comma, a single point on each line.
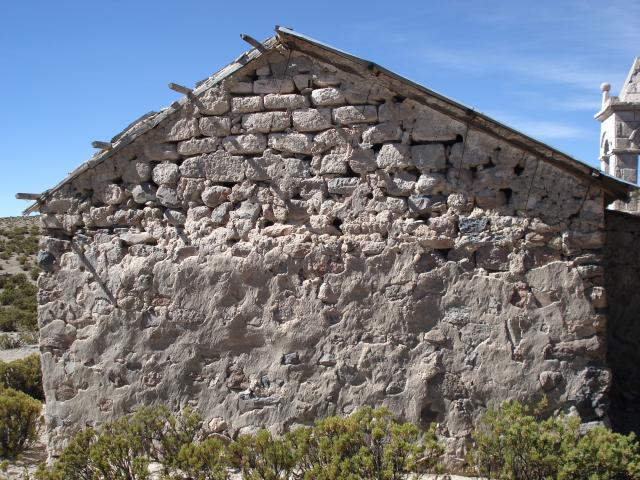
[306, 232]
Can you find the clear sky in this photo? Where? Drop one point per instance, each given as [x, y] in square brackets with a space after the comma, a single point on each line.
[76, 71]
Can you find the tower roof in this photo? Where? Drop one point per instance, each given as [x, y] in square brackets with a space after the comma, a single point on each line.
[631, 89]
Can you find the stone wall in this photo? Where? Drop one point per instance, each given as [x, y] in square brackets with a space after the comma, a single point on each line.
[298, 241]
[622, 280]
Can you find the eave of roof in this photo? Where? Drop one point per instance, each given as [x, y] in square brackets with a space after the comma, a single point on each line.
[291, 39]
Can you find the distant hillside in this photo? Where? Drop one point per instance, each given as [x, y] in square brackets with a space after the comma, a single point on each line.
[18, 245]
[19, 238]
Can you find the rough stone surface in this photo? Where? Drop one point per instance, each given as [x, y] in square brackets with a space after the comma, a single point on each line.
[311, 120]
[270, 278]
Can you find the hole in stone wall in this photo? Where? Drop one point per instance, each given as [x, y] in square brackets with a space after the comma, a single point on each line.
[337, 223]
[518, 170]
[399, 98]
[444, 252]
[377, 147]
[507, 193]
[413, 171]
[428, 416]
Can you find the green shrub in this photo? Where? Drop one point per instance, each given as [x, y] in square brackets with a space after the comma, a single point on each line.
[19, 421]
[602, 455]
[206, 460]
[513, 442]
[18, 304]
[9, 341]
[23, 375]
[368, 445]
[123, 449]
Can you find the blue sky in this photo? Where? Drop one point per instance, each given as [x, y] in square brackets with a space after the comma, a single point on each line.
[76, 71]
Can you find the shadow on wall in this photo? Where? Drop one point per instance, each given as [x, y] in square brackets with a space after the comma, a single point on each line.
[622, 282]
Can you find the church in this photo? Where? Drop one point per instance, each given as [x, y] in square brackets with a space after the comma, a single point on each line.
[305, 232]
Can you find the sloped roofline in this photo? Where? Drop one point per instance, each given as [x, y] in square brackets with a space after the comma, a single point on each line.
[296, 41]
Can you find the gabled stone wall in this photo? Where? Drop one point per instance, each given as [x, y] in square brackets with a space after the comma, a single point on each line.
[298, 241]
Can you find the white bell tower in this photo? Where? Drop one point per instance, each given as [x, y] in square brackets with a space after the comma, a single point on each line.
[620, 132]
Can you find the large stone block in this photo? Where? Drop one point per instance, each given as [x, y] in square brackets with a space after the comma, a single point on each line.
[166, 173]
[291, 142]
[273, 85]
[196, 146]
[215, 126]
[311, 120]
[246, 104]
[284, 102]
[161, 151]
[351, 115]
[327, 97]
[245, 144]
[219, 166]
[429, 158]
[266, 122]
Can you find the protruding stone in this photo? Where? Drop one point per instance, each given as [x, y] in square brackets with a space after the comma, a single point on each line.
[291, 142]
[167, 196]
[161, 151]
[472, 225]
[287, 101]
[393, 156]
[196, 146]
[138, 238]
[273, 85]
[428, 158]
[245, 144]
[291, 358]
[327, 360]
[181, 129]
[342, 186]
[327, 97]
[246, 104]
[266, 122]
[215, 126]
[143, 193]
[311, 120]
[166, 173]
[215, 195]
[46, 261]
[219, 166]
[351, 115]
[384, 132]
[363, 161]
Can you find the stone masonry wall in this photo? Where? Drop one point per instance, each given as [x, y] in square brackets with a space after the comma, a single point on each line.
[622, 280]
[298, 241]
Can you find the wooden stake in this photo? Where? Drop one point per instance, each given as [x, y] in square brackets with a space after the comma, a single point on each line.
[102, 145]
[253, 42]
[28, 196]
[181, 89]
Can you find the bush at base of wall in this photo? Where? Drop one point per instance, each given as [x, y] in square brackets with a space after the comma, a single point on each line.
[510, 443]
[23, 375]
[515, 442]
[19, 422]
